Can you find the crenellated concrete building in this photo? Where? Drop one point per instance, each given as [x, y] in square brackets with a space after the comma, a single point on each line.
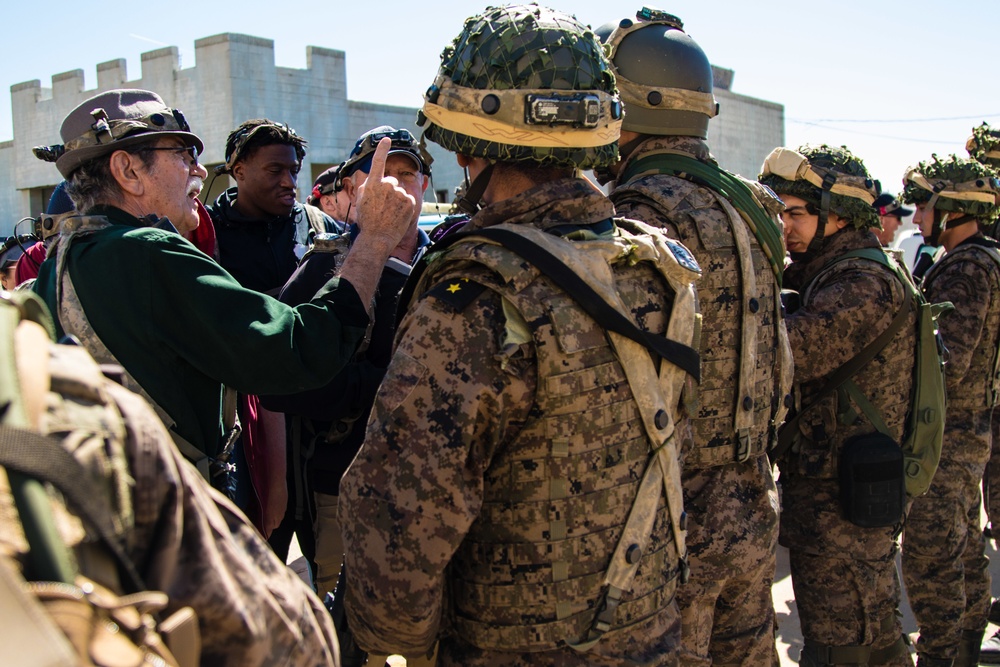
[235, 78]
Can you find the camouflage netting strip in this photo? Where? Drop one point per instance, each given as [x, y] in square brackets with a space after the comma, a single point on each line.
[984, 145]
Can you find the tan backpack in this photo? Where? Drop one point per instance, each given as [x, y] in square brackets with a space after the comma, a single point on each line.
[84, 605]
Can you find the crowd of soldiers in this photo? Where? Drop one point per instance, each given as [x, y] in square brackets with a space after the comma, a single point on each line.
[551, 432]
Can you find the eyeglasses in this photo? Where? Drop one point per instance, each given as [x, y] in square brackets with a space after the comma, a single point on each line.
[190, 150]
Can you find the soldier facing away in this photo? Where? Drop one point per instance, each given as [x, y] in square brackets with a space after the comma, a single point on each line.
[945, 567]
[727, 614]
[843, 574]
[490, 504]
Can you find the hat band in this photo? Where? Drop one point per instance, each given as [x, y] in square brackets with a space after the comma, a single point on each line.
[793, 166]
[667, 99]
[969, 191]
[168, 120]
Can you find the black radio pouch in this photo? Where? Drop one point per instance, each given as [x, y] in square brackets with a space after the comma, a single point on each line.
[872, 483]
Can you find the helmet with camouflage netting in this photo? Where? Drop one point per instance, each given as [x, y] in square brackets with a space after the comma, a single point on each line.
[664, 77]
[954, 185]
[525, 83]
[824, 173]
[984, 145]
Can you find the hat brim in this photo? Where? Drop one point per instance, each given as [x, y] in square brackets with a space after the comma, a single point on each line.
[900, 212]
[70, 161]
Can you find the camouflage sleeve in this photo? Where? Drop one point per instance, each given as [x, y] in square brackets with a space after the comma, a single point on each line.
[453, 394]
[193, 544]
[849, 310]
[965, 285]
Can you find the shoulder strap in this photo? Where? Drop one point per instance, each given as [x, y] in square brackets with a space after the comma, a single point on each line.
[35, 456]
[786, 437]
[683, 356]
[729, 186]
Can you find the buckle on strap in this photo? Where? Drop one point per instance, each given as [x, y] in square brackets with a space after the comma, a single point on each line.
[743, 446]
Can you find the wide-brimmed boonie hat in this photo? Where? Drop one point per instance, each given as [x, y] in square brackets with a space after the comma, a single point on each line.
[114, 121]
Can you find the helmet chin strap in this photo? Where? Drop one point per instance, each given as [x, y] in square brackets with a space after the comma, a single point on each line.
[470, 202]
[816, 244]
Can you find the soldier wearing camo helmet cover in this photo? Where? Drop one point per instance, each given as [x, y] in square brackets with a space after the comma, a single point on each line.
[945, 567]
[843, 574]
[727, 614]
[984, 145]
[509, 461]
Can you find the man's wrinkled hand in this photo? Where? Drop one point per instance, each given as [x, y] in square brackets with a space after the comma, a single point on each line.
[385, 210]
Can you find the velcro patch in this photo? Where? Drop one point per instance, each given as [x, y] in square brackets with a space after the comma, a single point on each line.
[457, 293]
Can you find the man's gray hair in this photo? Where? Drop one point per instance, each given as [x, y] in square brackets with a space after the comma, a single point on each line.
[92, 183]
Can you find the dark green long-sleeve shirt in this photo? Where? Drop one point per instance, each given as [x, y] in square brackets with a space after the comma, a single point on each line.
[183, 327]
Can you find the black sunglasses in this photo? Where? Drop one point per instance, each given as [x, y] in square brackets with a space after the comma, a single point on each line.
[190, 150]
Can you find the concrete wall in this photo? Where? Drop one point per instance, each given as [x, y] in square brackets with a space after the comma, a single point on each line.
[234, 78]
[746, 129]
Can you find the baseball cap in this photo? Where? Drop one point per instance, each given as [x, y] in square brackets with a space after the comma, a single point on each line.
[887, 204]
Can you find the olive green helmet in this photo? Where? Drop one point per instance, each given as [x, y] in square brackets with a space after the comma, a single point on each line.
[954, 185]
[984, 145]
[814, 171]
[664, 77]
[525, 83]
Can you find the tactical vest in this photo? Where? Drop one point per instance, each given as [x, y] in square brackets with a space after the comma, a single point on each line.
[887, 385]
[532, 570]
[981, 384]
[746, 358]
[73, 320]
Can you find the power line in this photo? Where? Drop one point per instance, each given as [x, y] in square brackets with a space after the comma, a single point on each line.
[893, 120]
[873, 134]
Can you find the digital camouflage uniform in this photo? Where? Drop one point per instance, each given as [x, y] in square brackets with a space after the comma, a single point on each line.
[729, 494]
[844, 576]
[984, 146]
[518, 492]
[470, 464]
[184, 538]
[944, 563]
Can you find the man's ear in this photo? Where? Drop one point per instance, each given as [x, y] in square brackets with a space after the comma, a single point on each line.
[238, 172]
[351, 187]
[463, 160]
[127, 169]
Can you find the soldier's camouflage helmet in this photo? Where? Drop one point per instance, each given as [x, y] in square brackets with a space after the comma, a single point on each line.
[812, 171]
[984, 145]
[956, 185]
[525, 83]
[664, 77]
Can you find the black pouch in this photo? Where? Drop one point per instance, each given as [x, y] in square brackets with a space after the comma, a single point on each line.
[872, 483]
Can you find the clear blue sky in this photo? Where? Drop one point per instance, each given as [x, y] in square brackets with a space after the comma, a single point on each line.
[900, 67]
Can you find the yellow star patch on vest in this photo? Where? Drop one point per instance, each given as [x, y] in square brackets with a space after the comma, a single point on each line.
[458, 295]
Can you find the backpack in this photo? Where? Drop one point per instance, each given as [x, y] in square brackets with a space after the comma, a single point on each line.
[86, 606]
[924, 429]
